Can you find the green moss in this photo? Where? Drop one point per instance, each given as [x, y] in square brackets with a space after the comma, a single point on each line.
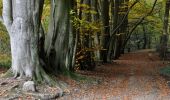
[78, 77]
[165, 71]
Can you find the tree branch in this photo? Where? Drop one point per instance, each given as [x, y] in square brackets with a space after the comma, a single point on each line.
[120, 24]
[124, 18]
[139, 22]
[7, 13]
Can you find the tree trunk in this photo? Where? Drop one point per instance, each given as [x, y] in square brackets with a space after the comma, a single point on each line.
[95, 17]
[22, 20]
[106, 29]
[144, 37]
[164, 37]
[60, 44]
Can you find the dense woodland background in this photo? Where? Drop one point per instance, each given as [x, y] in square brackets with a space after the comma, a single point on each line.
[81, 34]
[115, 47]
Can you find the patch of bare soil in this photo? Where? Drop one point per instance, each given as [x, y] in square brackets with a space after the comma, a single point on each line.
[134, 76]
[2, 70]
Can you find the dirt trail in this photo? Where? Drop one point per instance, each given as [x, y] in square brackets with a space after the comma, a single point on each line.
[133, 77]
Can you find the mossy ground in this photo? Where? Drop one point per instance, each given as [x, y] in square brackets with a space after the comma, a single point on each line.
[165, 71]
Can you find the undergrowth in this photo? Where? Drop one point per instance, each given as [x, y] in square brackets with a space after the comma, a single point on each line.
[5, 60]
[165, 71]
[79, 78]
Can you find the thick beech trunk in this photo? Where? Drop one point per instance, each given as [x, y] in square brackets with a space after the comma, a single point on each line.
[60, 44]
[106, 30]
[113, 42]
[95, 17]
[22, 20]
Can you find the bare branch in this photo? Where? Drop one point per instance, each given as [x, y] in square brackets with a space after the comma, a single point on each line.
[139, 22]
[7, 13]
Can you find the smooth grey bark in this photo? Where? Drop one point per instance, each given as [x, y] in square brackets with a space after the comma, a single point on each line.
[7, 14]
[95, 17]
[112, 42]
[59, 43]
[22, 21]
[114, 39]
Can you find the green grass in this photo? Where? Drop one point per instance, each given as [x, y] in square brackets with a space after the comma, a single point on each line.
[5, 60]
[165, 71]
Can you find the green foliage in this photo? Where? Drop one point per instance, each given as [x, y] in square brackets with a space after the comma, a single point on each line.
[87, 30]
[5, 60]
[46, 15]
[0, 7]
[153, 23]
[86, 26]
[47, 2]
[4, 40]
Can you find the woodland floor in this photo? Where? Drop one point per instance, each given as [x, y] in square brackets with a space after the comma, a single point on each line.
[134, 76]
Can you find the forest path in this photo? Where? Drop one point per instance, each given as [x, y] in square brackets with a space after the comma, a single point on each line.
[134, 76]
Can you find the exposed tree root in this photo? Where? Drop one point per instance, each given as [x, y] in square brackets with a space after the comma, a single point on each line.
[39, 77]
[42, 77]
